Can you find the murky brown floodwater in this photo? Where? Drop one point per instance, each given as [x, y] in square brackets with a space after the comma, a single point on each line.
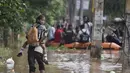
[75, 61]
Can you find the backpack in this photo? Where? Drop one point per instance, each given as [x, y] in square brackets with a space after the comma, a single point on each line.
[69, 33]
[84, 37]
[68, 36]
[32, 35]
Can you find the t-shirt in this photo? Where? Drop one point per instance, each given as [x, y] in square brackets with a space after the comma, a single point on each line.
[88, 27]
[41, 31]
[58, 36]
[51, 33]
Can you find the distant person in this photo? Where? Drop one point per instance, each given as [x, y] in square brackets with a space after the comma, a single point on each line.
[76, 32]
[87, 25]
[114, 39]
[51, 33]
[58, 34]
[83, 35]
[65, 23]
[69, 35]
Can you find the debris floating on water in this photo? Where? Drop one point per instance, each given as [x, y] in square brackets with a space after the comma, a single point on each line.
[112, 72]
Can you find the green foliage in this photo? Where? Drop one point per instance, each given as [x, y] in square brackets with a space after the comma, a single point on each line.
[11, 13]
[14, 12]
[63, 48]
[5, 52]
[52, 9]
[51, 48]
[58, 47]
[114, 7]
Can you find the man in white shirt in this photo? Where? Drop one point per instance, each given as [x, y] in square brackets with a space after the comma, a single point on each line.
[87, 25]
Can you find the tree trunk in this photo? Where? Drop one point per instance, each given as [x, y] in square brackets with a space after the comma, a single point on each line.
[96, 38]
[67, 8]
[97, 35]
[1, 36]
[81, 12]
[125, 62]
[15, 37]
[72, 11]
[126, 48]
[5, 36]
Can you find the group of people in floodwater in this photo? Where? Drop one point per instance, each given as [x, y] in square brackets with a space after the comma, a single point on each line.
[61, 32]
[65, 33]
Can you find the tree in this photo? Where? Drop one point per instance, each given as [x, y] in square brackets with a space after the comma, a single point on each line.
[10, 16]
[72, 11]
[13, 13]
[114, 7]
[126, 42]
[52, 9]
[81, 11]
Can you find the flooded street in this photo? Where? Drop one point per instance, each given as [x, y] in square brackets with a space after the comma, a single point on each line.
[111, 61]
[81, 36]
[71, 61]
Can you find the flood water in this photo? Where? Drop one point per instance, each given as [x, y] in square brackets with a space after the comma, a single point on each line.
[71, 61]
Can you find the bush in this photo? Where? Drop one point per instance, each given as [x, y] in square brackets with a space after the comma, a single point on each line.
[4, 53]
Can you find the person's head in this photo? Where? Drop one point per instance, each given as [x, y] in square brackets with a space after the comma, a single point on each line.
[58, 27]
[85, 19]
[40, 19]
[61, 26]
